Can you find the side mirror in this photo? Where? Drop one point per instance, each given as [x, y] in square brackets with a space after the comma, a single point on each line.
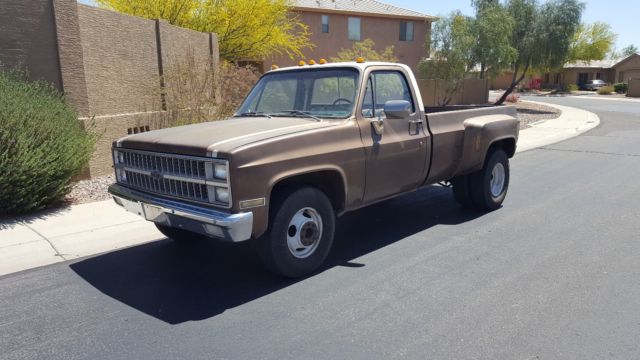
[397, 109]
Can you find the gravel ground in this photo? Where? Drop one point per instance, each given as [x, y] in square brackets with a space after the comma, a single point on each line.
[91, 190]
[85, 191]
[529, 113]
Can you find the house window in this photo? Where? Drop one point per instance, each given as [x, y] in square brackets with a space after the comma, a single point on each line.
[354, 28]
[557, 79]
[325, 24]
[406, 30]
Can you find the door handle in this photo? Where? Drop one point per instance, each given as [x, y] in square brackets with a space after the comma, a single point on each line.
[416, 121]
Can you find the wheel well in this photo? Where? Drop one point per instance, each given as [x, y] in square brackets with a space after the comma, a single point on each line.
[508, 145]
[328, 181]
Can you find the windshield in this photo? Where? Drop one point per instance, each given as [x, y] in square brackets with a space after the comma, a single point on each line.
[318, 93]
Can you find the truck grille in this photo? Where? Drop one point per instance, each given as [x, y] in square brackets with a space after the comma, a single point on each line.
[178, 176]
[176, 188]
[165, 164]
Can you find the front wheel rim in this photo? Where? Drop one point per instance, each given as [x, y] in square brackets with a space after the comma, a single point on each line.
[498, 177]
[304, 232]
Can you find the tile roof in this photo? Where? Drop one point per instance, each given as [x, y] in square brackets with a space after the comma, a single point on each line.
[359, 6]
[599, 63]
[593, 64]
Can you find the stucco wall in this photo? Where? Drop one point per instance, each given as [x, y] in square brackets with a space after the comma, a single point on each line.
[383, 31]
[28, 38]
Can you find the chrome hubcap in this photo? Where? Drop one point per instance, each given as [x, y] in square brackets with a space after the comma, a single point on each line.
[497, 180]
[304, 232]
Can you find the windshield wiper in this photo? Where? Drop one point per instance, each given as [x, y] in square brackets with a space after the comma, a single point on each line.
[301, 112]
[252, 113]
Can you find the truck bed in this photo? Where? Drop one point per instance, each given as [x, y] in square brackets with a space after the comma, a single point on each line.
[467, 128]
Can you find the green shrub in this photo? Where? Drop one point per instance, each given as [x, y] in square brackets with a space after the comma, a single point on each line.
[620, 88]
[572, 87]
[42, 144]
[605, 90]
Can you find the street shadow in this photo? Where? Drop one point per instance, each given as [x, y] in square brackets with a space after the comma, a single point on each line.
[176, 282]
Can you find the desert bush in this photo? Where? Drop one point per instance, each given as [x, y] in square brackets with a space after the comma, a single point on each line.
[513, 98]
[235, 82]
[196, 90]
[605, 90]
[620, 88]
[42, 144]
[572, 87]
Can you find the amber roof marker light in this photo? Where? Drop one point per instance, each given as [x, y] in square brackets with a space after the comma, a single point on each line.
[322, 61]
[302, 63]
[360, 60]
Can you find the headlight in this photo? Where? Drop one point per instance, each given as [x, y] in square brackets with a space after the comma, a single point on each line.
[222, 195]
[121, 175]
[220, 171]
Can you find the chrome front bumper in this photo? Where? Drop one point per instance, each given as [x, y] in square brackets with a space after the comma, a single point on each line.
[198, 219]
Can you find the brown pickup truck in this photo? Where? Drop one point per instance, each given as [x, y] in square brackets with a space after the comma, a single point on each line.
[308, 144]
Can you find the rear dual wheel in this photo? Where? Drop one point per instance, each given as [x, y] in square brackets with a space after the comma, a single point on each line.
[487, 188]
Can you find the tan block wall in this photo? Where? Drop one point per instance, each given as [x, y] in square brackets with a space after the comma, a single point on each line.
[383, 31]
[109, 65]
[179, 47]
[28, 39]
[120, 61]
[634, 88]
[474, 91]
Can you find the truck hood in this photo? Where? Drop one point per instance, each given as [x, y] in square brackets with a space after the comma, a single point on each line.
[223, 136]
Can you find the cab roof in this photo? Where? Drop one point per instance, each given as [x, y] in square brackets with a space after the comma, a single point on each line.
[352, 64]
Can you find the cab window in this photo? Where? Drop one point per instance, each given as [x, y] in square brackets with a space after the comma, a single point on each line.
[384, 86]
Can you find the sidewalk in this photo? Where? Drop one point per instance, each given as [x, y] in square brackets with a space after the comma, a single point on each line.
[70, 233]
[89, 229]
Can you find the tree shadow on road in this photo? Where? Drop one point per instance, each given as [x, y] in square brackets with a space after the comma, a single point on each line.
[177, 282]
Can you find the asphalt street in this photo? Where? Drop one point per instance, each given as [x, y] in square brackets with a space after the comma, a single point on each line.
[553, 274]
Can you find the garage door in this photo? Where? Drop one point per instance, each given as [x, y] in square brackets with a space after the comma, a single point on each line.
[631, 74]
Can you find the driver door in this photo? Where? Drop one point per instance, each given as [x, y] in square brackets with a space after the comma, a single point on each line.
[397, 154]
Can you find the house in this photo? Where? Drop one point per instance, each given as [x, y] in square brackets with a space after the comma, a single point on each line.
[578, 73]
[338, 24]
[609, 71]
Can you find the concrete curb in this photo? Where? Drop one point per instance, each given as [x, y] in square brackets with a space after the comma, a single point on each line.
[571, 123]
[103, 226]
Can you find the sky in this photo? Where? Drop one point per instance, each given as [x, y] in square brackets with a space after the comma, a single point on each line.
[622, 15]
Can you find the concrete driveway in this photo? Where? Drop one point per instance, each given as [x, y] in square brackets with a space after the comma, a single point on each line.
[554, 274]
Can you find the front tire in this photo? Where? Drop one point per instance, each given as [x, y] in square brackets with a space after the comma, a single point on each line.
[300, 235]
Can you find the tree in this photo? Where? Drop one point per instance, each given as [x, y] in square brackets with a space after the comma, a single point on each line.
[629, 50]
[493, 29]
[542, 35]
[591, 42]
[452, 58]
[246, 29]
[365, 49]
